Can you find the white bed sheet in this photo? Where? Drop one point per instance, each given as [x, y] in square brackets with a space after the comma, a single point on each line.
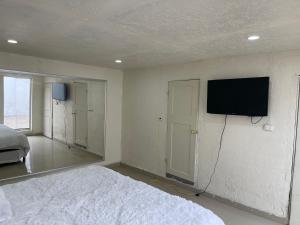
[97, 195]
[12, 139]
[13, 145]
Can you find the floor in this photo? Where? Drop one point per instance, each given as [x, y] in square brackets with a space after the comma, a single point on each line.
[229, 214]
[46, 155]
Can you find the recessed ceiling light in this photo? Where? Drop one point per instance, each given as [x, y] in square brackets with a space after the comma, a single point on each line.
[253, 37]
[12, 41]
[118, 61]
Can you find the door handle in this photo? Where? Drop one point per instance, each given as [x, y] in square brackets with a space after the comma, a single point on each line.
[90, 110]
[194, 132]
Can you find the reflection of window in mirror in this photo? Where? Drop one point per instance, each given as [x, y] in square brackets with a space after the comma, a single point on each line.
[17, 102]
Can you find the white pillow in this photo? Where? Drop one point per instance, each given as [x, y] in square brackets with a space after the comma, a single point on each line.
[5, 207]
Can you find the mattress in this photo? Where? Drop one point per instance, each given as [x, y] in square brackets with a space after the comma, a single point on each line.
[11, 156]
[12, 139]
[96, 195]
[13, 145]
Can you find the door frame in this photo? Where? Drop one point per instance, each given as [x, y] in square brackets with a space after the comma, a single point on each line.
[196, 160]
[104, 122]
[51, 107]
[74, 114]
[83, 80]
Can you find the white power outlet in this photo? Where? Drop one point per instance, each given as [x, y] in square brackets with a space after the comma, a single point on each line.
[268, 127]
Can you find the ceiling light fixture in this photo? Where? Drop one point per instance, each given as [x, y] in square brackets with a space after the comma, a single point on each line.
[12, 41]
[118, 61]
[253, 37]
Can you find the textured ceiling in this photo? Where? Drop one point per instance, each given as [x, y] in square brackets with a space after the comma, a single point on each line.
[147, 33]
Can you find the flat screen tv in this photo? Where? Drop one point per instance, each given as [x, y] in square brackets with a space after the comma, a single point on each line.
[59, 91]
[244, 96]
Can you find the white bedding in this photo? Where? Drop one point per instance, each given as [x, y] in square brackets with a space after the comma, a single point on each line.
[5, 208]
[12, 139]
[13, 145]
[97, 195]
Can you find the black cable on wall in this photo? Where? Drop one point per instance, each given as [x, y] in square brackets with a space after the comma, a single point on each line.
[218, 157]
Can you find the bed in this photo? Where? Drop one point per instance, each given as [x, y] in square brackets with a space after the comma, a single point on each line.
[14, 145]
[96, 195]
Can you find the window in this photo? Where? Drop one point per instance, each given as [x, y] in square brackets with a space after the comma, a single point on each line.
[17, 102]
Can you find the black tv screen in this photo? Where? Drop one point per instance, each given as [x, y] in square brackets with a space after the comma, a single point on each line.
[59, 91]
[245, 96]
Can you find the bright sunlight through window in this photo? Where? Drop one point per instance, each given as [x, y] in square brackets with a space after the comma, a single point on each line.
[17, 102]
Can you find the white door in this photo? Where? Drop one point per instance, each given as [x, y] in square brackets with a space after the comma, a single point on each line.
[96, 116]
[80, 107]
[48, 110]
[182, 128]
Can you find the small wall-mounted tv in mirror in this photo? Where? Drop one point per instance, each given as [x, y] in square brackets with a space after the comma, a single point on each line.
[59, 91]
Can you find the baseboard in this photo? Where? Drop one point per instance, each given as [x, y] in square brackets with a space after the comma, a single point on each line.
[113, 165]
[33, 134]
[63, 142]
[142, 170]
[168, 175]
[226, 201]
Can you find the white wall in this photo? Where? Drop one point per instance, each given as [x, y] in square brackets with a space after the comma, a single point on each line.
[37, 105]
[114, 80]
[254, 167]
